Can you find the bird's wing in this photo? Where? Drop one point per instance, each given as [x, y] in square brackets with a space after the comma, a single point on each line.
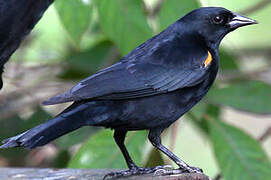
[18, 18]
[115, 79]
[140, 78]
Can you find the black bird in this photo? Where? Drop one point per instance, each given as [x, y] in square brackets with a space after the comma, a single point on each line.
[148, 89]
[18, 17]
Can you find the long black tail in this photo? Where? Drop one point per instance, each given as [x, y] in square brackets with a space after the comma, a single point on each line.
[48, 131]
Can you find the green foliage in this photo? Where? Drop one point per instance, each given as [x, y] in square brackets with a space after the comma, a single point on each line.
[5, 133]
[123, 21]
[126, 24]
[227, 61]
[198, 115]
[39, 116]
[199, 110]
[75, 137]
[239, 156]
[155, 158]
[251, 96]
[14, 125]
[172, 10]
[75, 17]
[100, 151]
[17, 124]
[84, 63]
[62, 159]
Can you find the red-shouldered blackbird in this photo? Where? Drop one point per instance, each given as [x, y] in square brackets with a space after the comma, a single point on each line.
[18, 17]
[148, 89]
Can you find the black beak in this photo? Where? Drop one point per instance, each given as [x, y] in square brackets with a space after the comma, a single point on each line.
[239, 21]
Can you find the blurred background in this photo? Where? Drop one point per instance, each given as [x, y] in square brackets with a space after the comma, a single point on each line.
[227, 133]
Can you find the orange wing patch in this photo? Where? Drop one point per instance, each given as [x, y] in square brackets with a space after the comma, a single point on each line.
[208, 60]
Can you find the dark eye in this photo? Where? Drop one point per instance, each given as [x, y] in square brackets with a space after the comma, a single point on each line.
[218, 19]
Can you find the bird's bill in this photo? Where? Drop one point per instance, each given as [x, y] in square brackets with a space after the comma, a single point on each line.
[239, 21]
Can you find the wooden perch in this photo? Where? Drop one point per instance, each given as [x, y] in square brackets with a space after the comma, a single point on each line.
[74, 174]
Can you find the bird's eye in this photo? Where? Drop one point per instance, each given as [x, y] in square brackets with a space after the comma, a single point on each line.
[218, 19]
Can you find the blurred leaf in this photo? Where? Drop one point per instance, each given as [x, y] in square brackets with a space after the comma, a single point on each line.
[18, 125]
[212, 110]
[39, 116]
[239, 156]
[155, 158]
[172, 10]
[199, 110]
[198, 115]
[252, 96]
[8, 128]
[227, 60]
[75, 137]
[101, 151]
[62, 159]
[83, 64]
[15, 125]
[123, 21]
[75, 16]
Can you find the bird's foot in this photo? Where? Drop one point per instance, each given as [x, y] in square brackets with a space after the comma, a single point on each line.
[158, 170]
[196, 170]
[191, 169]
[181, 170]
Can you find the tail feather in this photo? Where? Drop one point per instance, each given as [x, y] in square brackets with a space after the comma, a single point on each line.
[62, 98]
[75, 116]
[43, 134]
[12, 142]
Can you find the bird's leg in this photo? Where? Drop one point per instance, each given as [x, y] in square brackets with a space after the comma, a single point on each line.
[155, 139]
[119, 136]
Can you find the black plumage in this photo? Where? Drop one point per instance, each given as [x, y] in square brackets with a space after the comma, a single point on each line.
[18, 18]
[148, 89]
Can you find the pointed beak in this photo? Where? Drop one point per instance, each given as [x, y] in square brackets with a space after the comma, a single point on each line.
[239, 21]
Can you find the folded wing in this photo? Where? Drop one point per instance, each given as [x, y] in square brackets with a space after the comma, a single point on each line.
[148, 75]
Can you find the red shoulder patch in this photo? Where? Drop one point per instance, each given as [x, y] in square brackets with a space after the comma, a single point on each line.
[208, 60]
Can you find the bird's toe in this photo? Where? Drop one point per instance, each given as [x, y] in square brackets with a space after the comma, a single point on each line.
[158, 170]
[118, 174]
[194, 170]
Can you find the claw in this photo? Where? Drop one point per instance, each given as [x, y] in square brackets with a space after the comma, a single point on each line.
[164, 167]
[124, 173]
[168, 166]
[118, 174]
[194, 170]
[158, 171]
[163, 172]
[139, 171]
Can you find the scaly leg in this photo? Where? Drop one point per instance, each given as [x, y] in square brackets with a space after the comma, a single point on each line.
[119, 136]
[155, 139]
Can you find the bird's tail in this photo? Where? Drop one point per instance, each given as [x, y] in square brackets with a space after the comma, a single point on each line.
[44, 133]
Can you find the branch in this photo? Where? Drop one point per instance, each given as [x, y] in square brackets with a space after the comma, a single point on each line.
[26, 94]
[218, 177]
[232, 75]
[31, 174]
[151, 12]
[173, 135]
[256, 7]
[265, 135]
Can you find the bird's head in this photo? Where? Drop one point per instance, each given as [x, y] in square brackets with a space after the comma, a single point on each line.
[213, 23]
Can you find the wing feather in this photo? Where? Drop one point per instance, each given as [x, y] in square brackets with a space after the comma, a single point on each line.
[162, 70]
